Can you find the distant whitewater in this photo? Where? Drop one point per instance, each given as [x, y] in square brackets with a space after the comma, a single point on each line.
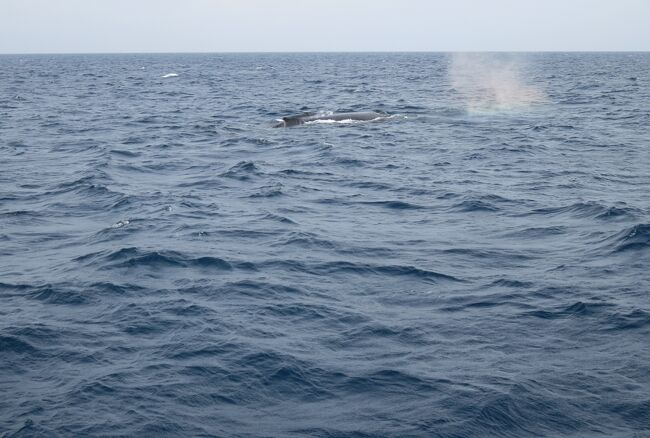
[474, 266]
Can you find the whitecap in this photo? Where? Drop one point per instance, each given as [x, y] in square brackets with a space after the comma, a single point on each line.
[120, 224]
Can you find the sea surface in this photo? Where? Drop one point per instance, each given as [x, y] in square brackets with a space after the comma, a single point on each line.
[475, 265]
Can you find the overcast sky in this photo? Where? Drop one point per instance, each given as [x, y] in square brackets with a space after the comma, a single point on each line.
[70, 26]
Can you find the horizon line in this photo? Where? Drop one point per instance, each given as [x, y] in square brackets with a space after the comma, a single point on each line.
[312, 52]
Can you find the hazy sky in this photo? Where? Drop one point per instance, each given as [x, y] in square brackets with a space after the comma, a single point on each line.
[65, 26]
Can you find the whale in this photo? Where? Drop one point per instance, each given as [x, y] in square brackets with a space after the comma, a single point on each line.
[301, 119]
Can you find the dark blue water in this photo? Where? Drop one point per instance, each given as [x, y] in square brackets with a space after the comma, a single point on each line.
[475, 265]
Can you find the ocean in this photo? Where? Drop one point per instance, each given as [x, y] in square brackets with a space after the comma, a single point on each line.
[474, 265]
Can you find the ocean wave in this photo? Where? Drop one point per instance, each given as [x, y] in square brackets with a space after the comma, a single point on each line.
[537, 232]
[591, 209]
[577, 309]
[268, 192]
[522, 410]
[312, 314]
[345, 267]
[278, 218]
[635, 319]
[125, 153]
[60, 295]
[243, 171]
[306, 240]
[395, 205]
[12, 344]
[517, 284]
[132, 257]
[474, 205]
[503, 256]
[632, 239]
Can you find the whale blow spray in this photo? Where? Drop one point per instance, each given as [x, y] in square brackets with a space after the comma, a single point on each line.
[491, 82]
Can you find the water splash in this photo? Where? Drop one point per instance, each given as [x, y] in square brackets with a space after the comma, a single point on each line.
[492, 82]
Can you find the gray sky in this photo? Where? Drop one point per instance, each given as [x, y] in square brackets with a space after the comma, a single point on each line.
[69, 26]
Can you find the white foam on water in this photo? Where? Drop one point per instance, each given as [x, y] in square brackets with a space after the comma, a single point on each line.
[330, 121]
[120, 224]
[344, 121]
[169, 75]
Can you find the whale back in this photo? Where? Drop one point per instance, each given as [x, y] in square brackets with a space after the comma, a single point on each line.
[296, 120]
[366, 115]
[310, 117]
